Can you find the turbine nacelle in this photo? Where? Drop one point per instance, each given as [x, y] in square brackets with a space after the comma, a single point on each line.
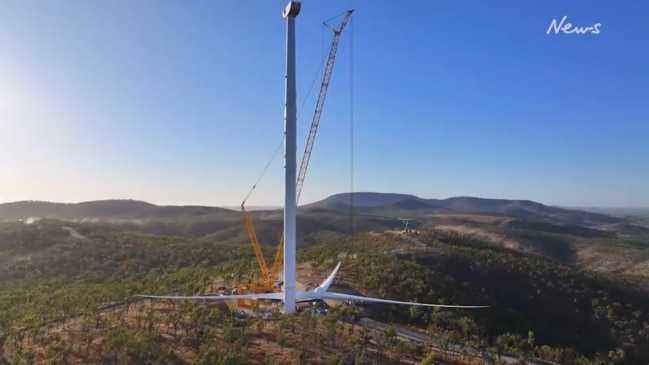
[292, 9]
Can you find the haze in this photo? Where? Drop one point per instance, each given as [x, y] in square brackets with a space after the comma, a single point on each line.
[182, 102]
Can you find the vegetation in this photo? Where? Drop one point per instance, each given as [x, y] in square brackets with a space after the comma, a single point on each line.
[67, 295]
[564, 307]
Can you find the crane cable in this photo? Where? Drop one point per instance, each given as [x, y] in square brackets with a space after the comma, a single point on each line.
[337, 16]
[306, 98]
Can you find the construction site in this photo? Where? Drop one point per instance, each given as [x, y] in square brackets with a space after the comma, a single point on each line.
[269, 279]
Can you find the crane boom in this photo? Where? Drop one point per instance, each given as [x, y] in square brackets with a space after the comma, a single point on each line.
[279, 257]
[320, 104]
[247, 222]
[267, 278]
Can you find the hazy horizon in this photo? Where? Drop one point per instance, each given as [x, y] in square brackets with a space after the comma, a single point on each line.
[279, 206]
[182, 103]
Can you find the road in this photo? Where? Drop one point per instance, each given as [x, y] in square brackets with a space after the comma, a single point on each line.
[423, 338]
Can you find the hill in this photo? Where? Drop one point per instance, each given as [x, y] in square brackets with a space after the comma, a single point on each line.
[364, 203]
[539, 308]
[401, 204]
[588, 240]
[621, 212]
[626, 229]
[114, 210]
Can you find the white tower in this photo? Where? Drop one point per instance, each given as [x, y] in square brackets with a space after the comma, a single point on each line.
[290, 148]
[290, 205]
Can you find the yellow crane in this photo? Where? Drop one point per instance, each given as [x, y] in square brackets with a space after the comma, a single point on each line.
[279, 256]
[266, 283]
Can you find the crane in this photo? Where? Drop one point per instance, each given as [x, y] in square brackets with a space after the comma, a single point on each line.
[268, 278]
[279, 257]
[260, 285]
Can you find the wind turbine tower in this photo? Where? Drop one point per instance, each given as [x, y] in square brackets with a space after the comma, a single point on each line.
[290, 294]
[290, 149]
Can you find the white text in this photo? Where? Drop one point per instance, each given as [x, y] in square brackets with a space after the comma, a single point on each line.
[568, 28]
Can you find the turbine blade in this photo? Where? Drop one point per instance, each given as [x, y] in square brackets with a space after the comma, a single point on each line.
[327, 283]
[330, 295]
[306, 295]
[277, 296]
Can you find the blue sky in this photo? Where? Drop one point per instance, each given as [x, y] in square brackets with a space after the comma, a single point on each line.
[182, 102]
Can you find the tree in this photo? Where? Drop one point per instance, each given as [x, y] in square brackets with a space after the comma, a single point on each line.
[3, 339]
[617, 356]
[331, 325]
[429, 359]
[402, 350]
[387, 338]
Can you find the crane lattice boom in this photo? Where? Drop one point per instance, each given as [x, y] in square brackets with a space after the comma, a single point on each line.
[268, 278]
[279, 257]
[247, 222]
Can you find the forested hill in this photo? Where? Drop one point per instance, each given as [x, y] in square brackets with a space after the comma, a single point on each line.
[381, 204]
[118, 210]
[539, 307]
[388, 203]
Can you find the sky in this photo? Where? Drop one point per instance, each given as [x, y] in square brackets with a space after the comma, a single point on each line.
[181, 102]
